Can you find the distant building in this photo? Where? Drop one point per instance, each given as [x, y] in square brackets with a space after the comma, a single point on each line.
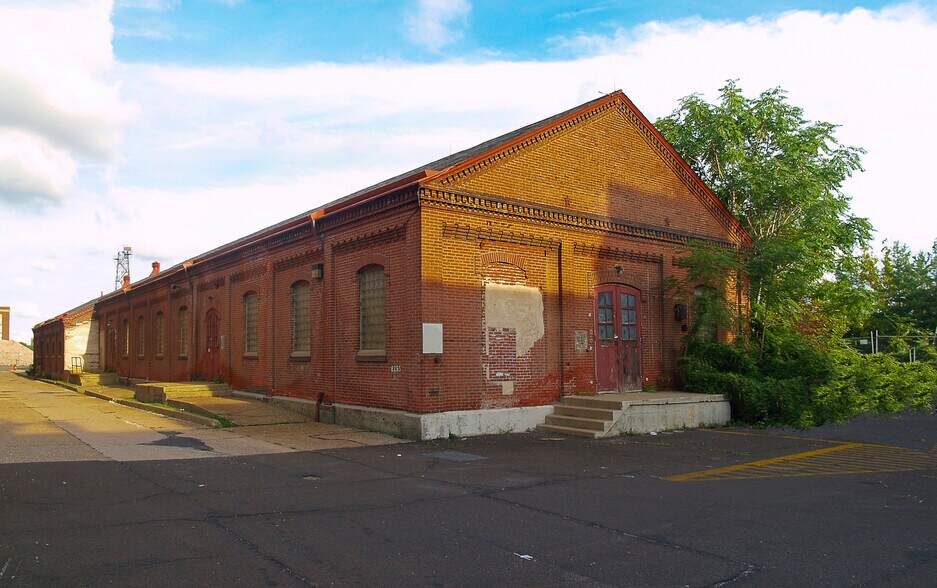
[67, 340]
[11, 352]
[491, 282]
[4, 323]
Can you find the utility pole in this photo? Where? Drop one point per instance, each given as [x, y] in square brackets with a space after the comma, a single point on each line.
[123, 266]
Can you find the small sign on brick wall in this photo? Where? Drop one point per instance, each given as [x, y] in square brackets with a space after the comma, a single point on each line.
[432, 338]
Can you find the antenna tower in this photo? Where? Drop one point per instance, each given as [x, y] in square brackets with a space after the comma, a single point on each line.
[123, 266]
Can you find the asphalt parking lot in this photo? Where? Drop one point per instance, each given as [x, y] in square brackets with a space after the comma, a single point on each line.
[848, 505]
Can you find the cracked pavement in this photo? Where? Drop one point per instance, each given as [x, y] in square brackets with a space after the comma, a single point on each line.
[82, 505]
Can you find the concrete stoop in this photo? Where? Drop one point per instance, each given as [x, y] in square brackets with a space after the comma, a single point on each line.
[163, 391]
[611, 415]
[88, 379]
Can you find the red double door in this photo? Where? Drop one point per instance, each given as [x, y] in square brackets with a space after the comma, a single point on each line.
[618, 338]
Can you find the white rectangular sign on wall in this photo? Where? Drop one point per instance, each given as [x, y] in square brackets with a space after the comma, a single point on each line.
[432, 337]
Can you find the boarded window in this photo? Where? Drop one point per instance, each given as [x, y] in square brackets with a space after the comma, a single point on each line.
[141, 335]
[183, 332]
[299, 304]
[373, 327]
[251, 337]
[158, 326]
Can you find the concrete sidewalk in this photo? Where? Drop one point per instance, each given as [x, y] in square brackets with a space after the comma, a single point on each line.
[254, 419]
[240, 412]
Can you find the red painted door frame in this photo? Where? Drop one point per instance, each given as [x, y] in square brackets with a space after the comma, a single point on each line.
[111, 352]
[212, 345]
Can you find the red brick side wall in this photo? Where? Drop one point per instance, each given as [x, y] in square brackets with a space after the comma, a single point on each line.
[333, 367]
[49, 350]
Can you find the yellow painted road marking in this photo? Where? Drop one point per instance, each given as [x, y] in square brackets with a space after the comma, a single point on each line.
[846, 458]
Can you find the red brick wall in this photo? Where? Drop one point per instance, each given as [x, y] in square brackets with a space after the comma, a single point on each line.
[552, 205]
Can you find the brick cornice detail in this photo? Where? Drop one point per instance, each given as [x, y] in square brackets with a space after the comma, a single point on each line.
[274, 242]
[366, 209]
[554, 216]
[394, 233]
[210, 285]
[467, 233]
[285, 264]
[617, 254]
[249, 274]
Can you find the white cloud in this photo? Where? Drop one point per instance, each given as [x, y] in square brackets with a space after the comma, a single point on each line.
[436, 23]
[850, 69]
[865, 70]
[31, 169]
[58, 106]
[26, 309]
[218, 153]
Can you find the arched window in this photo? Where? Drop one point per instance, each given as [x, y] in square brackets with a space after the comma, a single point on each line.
[299, 314]
[126, 337]
[371, 309]
[183, 332]
[251, 336]
[158, 326]
[141, 336]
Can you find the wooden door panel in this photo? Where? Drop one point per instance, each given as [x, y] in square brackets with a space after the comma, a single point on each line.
[617, 336]
[213, 345]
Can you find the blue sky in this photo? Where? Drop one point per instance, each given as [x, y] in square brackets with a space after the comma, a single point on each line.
[353, 31]
[175, 126]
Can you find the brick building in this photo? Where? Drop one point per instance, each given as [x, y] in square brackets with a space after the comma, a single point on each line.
[4, 323]
[67, 340]
[466, 294]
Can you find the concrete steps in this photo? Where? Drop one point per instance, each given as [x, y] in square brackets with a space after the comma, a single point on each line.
[583, 416]
[107, 379]
[609, 415]
[163, 391]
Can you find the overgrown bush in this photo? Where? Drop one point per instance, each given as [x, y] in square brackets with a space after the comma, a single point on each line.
[799, 384]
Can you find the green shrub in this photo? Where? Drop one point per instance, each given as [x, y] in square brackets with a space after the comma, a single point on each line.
[801, 384]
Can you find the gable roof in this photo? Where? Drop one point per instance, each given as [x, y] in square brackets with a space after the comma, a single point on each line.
[460, 161]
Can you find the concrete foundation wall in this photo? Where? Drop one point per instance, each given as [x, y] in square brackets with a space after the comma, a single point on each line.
[440, 425]
[669, 414]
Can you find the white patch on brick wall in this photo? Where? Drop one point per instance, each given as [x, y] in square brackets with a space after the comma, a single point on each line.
[515, 307]
[81, 341]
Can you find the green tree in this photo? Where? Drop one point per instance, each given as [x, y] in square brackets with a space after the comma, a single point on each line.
[906, 297]
[781, 175]
[910, 285]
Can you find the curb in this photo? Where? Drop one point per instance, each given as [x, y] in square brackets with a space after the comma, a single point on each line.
[168, 412]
